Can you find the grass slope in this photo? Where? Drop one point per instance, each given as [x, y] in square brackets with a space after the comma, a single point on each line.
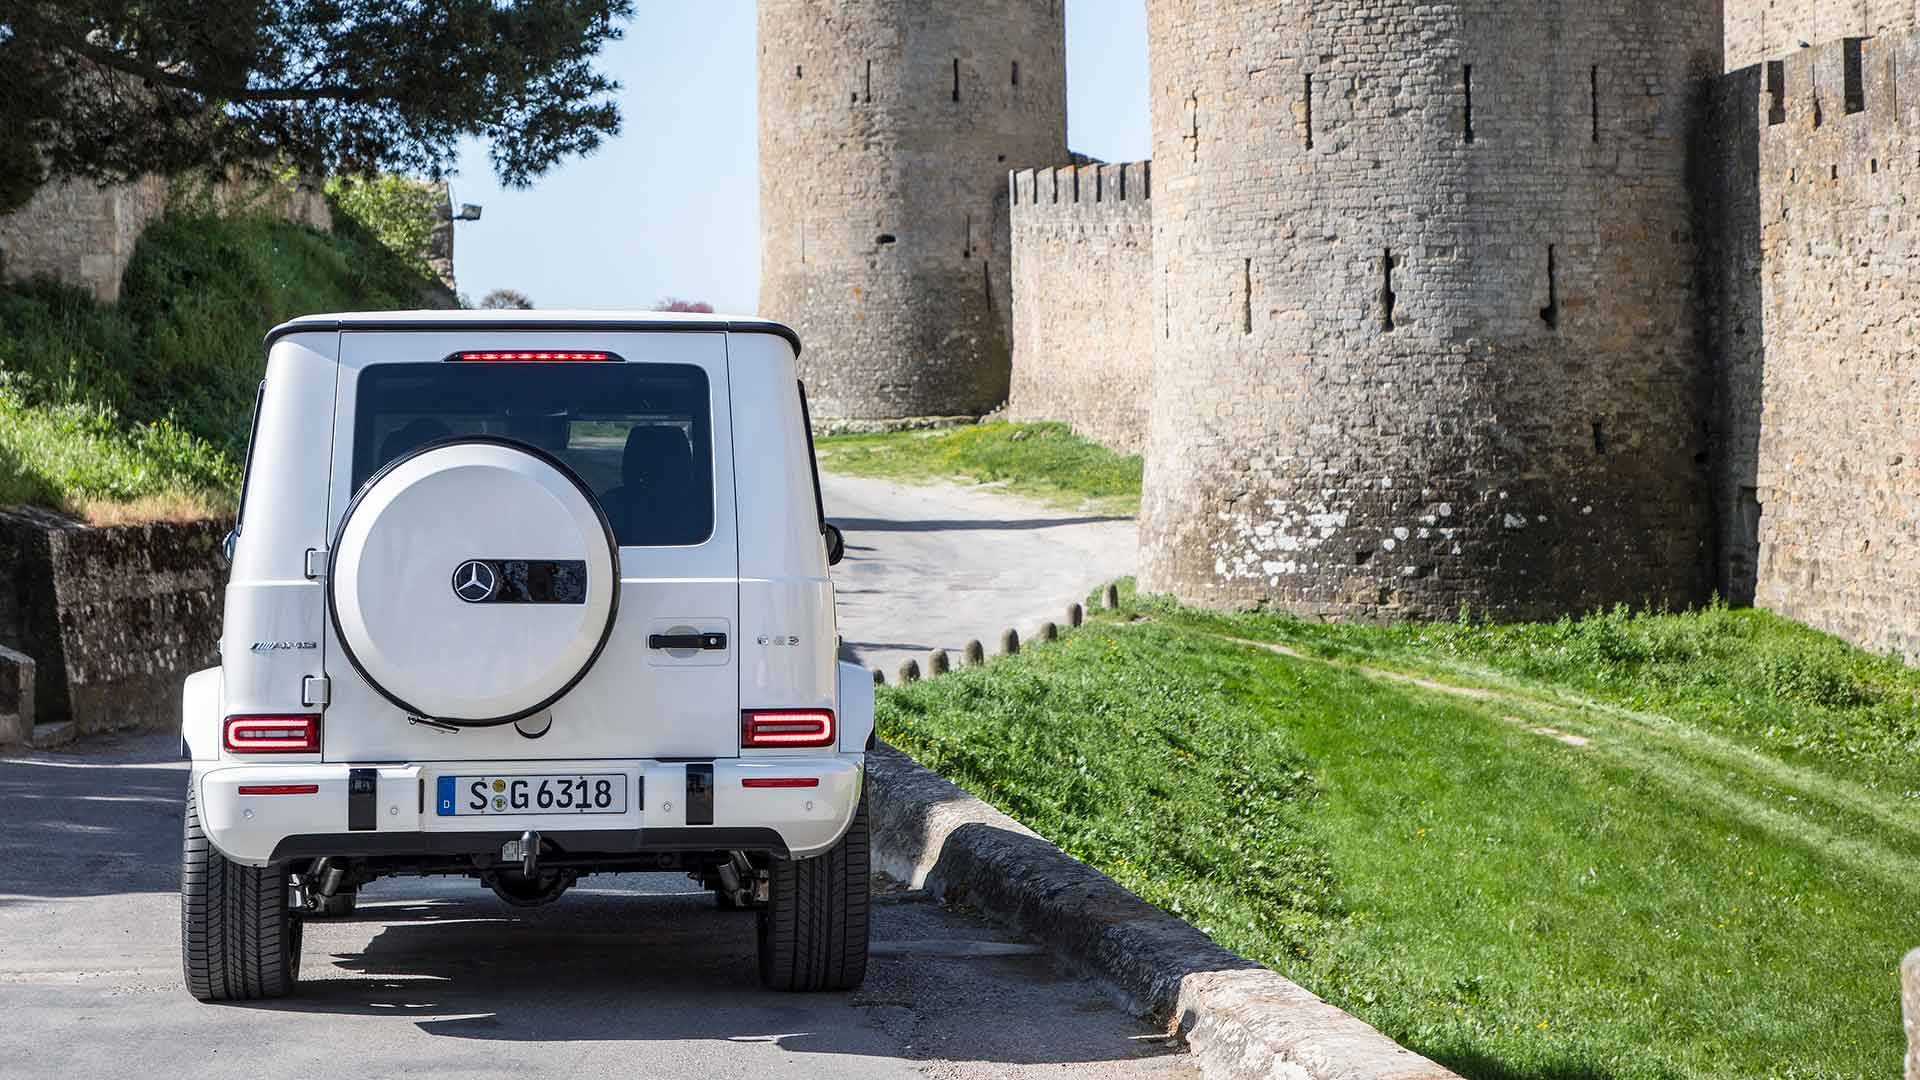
[1717, 883]
[1044, 460]
[141, 408]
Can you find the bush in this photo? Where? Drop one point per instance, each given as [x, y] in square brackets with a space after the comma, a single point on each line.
[398, 211]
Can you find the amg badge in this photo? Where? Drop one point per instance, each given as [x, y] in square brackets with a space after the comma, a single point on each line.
[283, 646]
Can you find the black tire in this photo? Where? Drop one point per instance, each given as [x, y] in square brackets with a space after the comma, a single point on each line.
[239, 940]
[813, 930]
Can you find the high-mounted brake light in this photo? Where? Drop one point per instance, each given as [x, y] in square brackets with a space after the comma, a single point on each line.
[539, 356]
[786, 727]
[273, 734]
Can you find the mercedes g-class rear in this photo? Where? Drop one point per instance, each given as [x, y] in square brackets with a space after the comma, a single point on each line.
[526, 596]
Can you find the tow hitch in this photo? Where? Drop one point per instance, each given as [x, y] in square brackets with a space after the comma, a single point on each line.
[525, 851]
[527, 885]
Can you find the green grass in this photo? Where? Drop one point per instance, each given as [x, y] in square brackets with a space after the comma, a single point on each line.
[1044, 461]
[1718, 884]
[146, 403]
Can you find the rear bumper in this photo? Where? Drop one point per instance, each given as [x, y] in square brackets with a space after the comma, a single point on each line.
[670, 806]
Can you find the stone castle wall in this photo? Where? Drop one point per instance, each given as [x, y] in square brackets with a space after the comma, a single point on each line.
[886, 134]
[1761, 30]
[84, 233]
[1514, 307]
[1428, 280]
[1083, 320]
[1814, 297]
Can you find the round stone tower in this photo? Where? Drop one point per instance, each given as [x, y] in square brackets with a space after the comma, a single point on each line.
[887, 129]
[1426, 275]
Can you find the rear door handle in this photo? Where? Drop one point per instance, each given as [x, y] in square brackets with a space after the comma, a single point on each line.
[710, 642]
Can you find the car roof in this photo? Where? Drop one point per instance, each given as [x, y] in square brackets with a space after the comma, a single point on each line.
[514, 319]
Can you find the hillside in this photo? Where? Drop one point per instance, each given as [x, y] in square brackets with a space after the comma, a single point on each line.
[140, 409]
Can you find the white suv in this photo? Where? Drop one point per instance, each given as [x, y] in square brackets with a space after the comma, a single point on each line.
[524, 596]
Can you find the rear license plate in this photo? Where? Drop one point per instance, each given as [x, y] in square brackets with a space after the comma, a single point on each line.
[568, 793]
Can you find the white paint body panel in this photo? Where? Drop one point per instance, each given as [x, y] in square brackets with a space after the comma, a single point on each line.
[272, 635]
[633, 702]
[761, 578]
[200, 715]
[786, 598]
[246, 828]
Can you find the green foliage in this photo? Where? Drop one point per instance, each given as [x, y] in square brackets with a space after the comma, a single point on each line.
[1769, 682]
[111, 91]
[77, 454]
[21, 172]
[398, 211]
[506, 300]
[155, 394]
[1045, 460]
[1643, 846]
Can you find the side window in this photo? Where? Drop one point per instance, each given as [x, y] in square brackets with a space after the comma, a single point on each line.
[813, 458]
[246, 471]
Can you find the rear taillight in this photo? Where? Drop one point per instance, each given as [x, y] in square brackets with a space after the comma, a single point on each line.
[786, 728]
[273, 734]
[780, 781]
[279, 789]
[535, 356]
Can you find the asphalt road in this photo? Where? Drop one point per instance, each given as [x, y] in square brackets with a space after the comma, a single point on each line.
[629, 975]
[931, 566]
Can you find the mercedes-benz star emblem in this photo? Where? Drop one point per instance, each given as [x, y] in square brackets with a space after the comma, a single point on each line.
[474, 581]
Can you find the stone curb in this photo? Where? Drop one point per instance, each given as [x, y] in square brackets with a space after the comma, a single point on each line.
[1241, 1021]
[1910, 1010]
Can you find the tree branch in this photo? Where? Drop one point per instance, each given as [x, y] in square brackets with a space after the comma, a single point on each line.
[161, 76]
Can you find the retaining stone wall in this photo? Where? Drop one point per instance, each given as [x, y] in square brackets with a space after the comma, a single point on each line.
[114, 617]
[17, 671]
[84, 233]
[1083, 322]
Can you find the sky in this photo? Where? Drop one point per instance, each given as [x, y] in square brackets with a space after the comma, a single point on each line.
[671, 207]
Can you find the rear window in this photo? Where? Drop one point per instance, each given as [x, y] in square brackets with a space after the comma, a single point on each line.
[639, 435]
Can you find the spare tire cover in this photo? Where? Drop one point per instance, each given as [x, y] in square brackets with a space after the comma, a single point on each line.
[473, 581]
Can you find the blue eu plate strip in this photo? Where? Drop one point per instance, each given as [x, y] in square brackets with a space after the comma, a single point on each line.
[445, 795]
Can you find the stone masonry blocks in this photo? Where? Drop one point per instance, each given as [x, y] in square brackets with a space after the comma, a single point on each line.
[1758, 30]
[16, 697]
[1426, 275]
[886, 133]
[85, 233]
[1810, 297]
[114, 617]
[1083, 319]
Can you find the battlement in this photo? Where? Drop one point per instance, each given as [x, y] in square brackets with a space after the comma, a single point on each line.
[1130, 182]
[1760, 29]
[1852, 82]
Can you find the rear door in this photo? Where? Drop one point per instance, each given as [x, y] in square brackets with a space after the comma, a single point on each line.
[648, 431]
